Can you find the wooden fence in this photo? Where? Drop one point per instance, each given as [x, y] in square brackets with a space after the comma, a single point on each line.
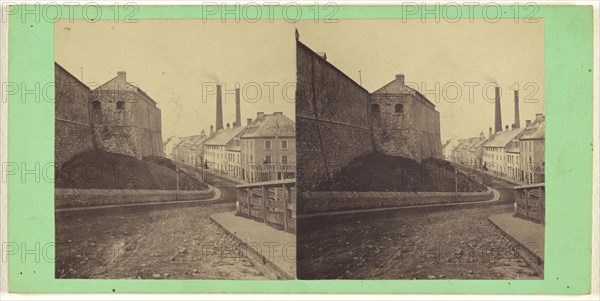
[273, 203]
[531, 202]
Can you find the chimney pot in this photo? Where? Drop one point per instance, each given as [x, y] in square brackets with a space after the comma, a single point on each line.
[539, 116]
[506, 127]
[527, 122]
[260, 115]
[400, 78]
[248, 121]
[228, 125]
[122, 75]
[490, 132]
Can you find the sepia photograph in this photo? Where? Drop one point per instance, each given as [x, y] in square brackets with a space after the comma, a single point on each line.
[175, 150]
[421, 149]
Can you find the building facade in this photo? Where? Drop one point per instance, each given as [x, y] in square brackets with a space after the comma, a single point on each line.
[404, 122]
[495, 157]
[268, 148]
[533, 148]
[215, 148]
[125, 119]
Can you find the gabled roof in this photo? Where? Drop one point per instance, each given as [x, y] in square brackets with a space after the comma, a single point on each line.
[269, 125]
[536, 129]
[197, 141]
[122, 85]
[501, 139]
[397, 86]
[513, 147]
[222, 137]
[477, 146]
[187, 142]
[469, 143]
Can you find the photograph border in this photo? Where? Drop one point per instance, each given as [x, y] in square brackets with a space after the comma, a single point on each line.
[569, 72]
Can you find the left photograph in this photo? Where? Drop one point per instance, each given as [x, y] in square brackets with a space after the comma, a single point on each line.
[175, 150]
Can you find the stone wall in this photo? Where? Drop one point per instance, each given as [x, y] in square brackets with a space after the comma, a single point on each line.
[68, 198]
[331, 201]
[413, 133]
[73, 134]
[134, 129]
[331, 117]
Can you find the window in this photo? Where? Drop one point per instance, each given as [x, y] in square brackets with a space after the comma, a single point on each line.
[284, 144]
[120, 105]
[375, 115]
[267, 159]
[375, 108]
[399, 108]
[96, 105]
[284, 159]
[268, 144]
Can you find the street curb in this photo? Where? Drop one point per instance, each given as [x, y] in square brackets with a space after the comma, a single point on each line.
[215, 197]
[534, 261]
[495, 198]
[264, 260]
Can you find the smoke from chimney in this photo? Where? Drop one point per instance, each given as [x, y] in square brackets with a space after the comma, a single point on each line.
[238, 114]
[219, 123]
[498, 117]
[517, 117]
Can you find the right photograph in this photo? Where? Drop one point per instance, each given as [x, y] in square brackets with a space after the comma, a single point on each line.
[420, 149]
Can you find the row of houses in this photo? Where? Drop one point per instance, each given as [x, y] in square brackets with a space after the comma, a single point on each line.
[517, 153]
[263, 150]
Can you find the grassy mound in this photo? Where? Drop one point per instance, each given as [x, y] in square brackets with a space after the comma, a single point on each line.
[104, 170]
[380, 172]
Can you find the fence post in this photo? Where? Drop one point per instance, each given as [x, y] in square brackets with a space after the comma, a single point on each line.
[265, 197]
[526, 202]
[286, 200]
[248, 198]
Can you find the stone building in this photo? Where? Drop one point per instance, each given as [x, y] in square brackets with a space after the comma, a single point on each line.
[495, 157]
[533, 148]
[268, 148]
[190, 150]
[116, 117]
[513, 165]
[169, 146]
[340, 121]
[404, 122]
[215, 148]
[125, 119]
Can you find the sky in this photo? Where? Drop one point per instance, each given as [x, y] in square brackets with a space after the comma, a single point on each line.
[460, 56]
[178, 61]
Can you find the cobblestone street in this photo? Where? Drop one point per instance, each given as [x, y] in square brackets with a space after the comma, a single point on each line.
[152, 242]
[456, 242]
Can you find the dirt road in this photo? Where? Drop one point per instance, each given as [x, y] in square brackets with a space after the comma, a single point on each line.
[152, 242]
[454, 242]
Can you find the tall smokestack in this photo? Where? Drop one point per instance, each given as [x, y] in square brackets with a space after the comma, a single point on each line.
[219, 123]
[517, 117]
[498, 120]
[238, 114]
